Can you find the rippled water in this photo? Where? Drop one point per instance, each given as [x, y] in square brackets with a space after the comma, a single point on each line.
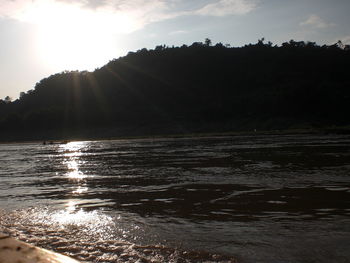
[216, 199]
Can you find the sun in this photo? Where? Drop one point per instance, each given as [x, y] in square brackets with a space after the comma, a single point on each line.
[71, 37]
[73, 47]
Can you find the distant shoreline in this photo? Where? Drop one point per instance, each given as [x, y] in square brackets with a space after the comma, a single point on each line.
[321, 131]
[189, 91]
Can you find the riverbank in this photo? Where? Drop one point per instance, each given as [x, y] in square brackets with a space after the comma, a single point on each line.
[84, 135]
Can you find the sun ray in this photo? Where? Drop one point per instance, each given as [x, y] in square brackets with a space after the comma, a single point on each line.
[71, 37]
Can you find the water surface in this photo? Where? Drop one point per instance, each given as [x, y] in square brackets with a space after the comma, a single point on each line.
[215, 199]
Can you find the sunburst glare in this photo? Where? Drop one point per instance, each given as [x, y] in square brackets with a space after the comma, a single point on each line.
[82, 40]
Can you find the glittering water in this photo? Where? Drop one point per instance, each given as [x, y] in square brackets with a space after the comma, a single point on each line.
[218, 199]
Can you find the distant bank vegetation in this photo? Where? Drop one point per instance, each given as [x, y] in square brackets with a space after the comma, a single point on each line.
[197, 88]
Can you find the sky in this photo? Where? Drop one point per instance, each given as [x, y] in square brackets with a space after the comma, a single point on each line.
[39, 38]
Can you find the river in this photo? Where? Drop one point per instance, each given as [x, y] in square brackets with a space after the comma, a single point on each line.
[262, 198]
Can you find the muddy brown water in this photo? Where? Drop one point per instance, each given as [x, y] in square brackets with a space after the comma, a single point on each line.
[271, 198]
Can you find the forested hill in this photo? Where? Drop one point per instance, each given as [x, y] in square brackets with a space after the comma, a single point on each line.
[197, 88]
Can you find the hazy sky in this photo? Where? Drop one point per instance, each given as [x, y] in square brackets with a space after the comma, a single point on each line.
[42, 37]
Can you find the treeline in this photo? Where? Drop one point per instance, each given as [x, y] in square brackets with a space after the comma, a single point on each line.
[196, 88]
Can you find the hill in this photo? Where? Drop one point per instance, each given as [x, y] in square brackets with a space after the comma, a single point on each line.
[197, 88]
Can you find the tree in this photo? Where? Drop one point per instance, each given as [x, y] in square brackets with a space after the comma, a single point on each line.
[219, 45]
[160, 47]
[203, 87]
[261, 41]
[197, 44]
[8, 99]
[207, 42]
[340, 44]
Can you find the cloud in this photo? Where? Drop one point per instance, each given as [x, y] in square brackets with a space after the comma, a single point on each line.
[316, 21]
[87, 3]
[178, 32]
[227, 7]
[123, 16]
[10, 8]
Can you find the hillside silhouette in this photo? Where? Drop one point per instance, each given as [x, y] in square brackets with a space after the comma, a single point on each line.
[196, 88]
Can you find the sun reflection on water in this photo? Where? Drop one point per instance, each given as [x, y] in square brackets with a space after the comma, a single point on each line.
[92, 221]
[73, 146]
[72, 152]
[71, 206]
[72, 215]
[80, 190]
[77, 214]
[73, 170]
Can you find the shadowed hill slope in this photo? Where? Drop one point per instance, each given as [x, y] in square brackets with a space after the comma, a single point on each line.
[189, 89]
